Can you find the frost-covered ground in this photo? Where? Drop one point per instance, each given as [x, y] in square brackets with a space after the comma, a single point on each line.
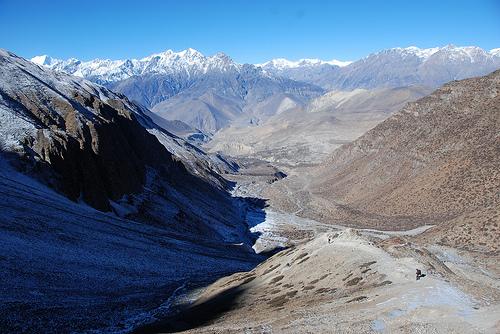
[69, 268]
[340, 282]
[348, 281]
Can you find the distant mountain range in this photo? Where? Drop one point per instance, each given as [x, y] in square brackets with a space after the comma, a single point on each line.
[188, 62]
[212, 92]
[395, 67]
[192, 64]
[207, 93]
[284, 64]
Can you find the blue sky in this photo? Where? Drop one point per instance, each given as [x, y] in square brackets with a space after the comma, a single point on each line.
[248, 31]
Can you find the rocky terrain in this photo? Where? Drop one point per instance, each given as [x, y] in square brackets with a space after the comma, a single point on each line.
[97, 149]
[344, 282]
[68, 268]
[101, 207]
[111, 223]
[434, 161]
[331, 279]
[308, 135]
[245, 96]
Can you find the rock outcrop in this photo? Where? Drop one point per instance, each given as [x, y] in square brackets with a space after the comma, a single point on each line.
[87, 137]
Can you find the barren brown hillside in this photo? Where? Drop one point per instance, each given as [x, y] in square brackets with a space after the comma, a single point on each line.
[436, 160]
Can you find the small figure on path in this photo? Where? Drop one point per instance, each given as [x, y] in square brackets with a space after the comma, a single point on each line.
[419, 274]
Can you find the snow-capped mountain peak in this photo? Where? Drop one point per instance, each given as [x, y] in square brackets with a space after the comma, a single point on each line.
[279, 63]
[495, 52]
[338, 63]
[283, 64]
[170, 55]
[421, 53]
[191, 52]
[43, 60]
[449, 52]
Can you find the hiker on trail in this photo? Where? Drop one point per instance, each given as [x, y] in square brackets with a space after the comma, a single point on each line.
[419, 274]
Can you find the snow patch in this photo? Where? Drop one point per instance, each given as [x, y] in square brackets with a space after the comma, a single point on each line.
[282, 63]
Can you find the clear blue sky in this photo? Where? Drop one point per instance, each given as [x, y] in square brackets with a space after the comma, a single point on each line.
[248, 31]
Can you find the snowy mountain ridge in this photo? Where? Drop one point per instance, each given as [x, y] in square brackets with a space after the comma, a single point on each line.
[211, 92]
[452, 51]
[189, 62]
[282, 63]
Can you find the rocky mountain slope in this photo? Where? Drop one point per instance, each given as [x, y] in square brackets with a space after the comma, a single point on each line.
[435, 161]
[299, 137]
[345, 282]
[82, 133]
[207, 93]
[100, 207]
[246, 96]
[94, 140]
[67, 267]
